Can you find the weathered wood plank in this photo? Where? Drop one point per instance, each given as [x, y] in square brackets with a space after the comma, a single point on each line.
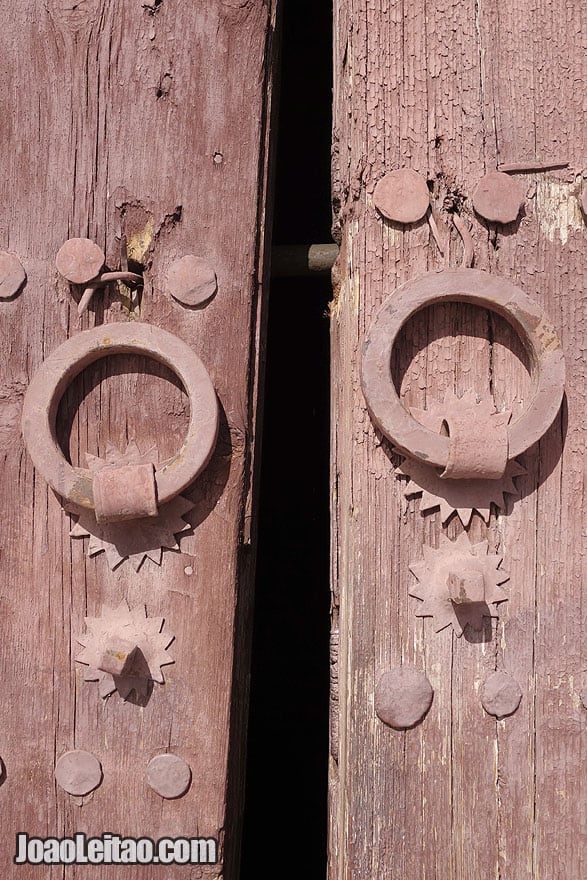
[453, 90]
[157, 114]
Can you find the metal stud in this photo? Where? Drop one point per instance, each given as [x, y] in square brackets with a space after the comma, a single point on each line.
[78, 772]
[501, 694]
[498, 198]
[403, 696]
[402, 196]
[168, 775]
[79, 260]
[191, 280]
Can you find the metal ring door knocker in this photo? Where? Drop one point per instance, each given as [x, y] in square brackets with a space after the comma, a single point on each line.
[460, 582]
[136, 490]
[464, 454]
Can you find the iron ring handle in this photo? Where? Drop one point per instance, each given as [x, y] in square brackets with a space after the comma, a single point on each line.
[477, 288]
[47, 387]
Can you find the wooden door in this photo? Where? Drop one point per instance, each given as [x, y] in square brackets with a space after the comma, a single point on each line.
[453, 91]
[150, 121]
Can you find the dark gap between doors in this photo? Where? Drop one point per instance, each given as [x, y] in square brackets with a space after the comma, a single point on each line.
[285, 815]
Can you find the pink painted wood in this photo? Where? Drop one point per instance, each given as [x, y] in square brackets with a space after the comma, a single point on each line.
[454, 90]
[147, 122]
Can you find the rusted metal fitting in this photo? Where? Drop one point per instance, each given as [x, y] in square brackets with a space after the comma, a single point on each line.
[466, 586]
[458, 582]
[498, 197]
[470, 455]
[168, 775]
[106, 278]
[78, 772]
[481, 289]
[467, 239]
[12, 275]
[402, 196]
[191, 280]
[140, 539]
[460, 496]
[41, 403]
[532, 165]
[501, 694]
[303, 260]
[403, 696]
[80, 261]
[125, 650]
[123, 493]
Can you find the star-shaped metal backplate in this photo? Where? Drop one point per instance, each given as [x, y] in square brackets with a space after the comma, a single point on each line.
[457, 496]
[133, 626]
[135, 540]
[455, 558]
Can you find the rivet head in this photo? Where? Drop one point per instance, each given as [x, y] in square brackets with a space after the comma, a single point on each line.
[79, 260]
[498, 198]
[191, 280]
[402, 196]
[168, 775]
[12, 275]
[78, 772]
[583, 200]
[501, 694]
[402, 697]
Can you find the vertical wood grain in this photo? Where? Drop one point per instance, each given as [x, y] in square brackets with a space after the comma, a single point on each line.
[158, 111]
[452, 90]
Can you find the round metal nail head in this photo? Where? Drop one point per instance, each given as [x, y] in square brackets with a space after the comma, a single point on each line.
[498, 197]
[501, 694]
[79, 260]
[583, 200]
[12, 275]
[78, 772]
[402, 196]
[168, 775]
[402, 697]
[191, 280]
